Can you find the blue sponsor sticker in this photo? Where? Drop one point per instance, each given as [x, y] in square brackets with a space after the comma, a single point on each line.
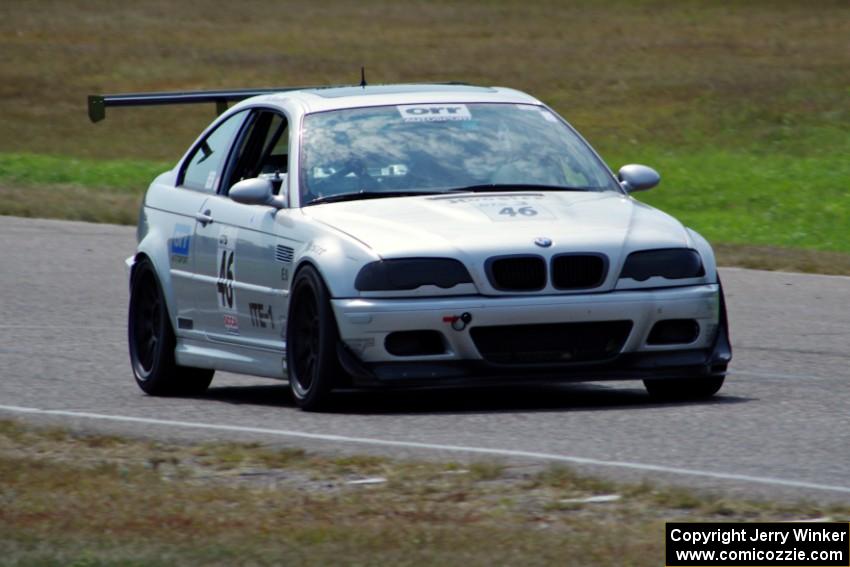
[180, 240]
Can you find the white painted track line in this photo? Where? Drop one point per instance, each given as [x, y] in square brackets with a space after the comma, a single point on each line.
[775, 375]
[438, 447]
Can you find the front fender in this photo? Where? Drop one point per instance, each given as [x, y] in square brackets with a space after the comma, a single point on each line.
[129, 266]
[337, 260]
[154, 247]
[706, 252]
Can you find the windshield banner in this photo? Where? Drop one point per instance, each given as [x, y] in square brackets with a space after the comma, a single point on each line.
[434, 112]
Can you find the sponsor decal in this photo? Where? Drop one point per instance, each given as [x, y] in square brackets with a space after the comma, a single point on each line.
[231, 324]
[515, 210]
[226, 260]
[495, 199]
[261, 315]
[315, 249]
[504, 207]
[181, 241]
[210, 180]
[434, 112]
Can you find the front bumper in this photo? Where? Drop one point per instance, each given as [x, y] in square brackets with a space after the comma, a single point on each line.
[365, 323]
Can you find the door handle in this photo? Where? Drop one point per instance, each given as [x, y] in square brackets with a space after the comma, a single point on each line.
[204, 218]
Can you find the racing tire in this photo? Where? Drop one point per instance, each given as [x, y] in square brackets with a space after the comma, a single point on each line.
[151, 341]
[684, 389]
[311, 342]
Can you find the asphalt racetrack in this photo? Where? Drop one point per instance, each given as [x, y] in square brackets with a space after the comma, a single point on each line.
[780, 427]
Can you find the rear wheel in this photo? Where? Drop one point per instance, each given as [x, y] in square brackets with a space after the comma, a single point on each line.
[311, 341]
[151, 341]
[684, 389]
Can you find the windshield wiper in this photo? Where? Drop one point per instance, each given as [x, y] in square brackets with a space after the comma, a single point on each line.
[357, 195]
[494, 187]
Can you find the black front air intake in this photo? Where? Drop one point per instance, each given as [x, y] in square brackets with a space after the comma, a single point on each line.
[673, 332]
[415, 343]
[517, 273]
[551, 343]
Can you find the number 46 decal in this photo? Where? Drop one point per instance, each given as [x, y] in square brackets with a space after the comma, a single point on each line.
[225, 280]
[524, 211]
[226, 266]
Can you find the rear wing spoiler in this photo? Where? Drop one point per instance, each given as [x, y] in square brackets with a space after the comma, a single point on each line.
[99, 103]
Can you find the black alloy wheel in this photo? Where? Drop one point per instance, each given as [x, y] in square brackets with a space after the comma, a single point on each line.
[151, 341]
[311, 340]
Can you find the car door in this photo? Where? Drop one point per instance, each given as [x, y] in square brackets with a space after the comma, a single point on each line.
[194, 185]
[244, 256]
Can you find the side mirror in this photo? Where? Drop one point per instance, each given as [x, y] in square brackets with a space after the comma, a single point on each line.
[257, 191]
[638, 178]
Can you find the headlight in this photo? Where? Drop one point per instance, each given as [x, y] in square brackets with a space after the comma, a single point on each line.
[410, 273]
[670, 263]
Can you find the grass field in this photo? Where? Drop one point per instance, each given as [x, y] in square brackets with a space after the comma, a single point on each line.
[743, 106]
[73, 499]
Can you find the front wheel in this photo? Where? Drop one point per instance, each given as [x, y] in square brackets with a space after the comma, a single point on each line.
[684, 389]
[152, 342]
[311, 341]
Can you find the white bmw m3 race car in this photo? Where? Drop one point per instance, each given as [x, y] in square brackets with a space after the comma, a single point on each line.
[410, 235]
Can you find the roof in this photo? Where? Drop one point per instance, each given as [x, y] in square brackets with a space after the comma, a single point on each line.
[334, 98]
[372, 90]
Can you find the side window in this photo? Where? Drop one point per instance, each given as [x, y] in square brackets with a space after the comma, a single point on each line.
[204, 166]
[277, 150]
[263, 149]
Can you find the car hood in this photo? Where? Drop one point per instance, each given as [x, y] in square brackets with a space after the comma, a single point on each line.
[473, 227]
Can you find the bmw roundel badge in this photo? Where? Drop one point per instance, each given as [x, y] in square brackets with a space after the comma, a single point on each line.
[543, 242]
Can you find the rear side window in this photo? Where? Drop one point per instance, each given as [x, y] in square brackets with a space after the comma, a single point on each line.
[204, 167]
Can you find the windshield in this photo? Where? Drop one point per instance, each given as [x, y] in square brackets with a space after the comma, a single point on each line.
[424, 148]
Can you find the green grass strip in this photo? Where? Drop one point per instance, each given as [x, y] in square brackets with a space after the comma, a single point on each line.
[23, 169]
